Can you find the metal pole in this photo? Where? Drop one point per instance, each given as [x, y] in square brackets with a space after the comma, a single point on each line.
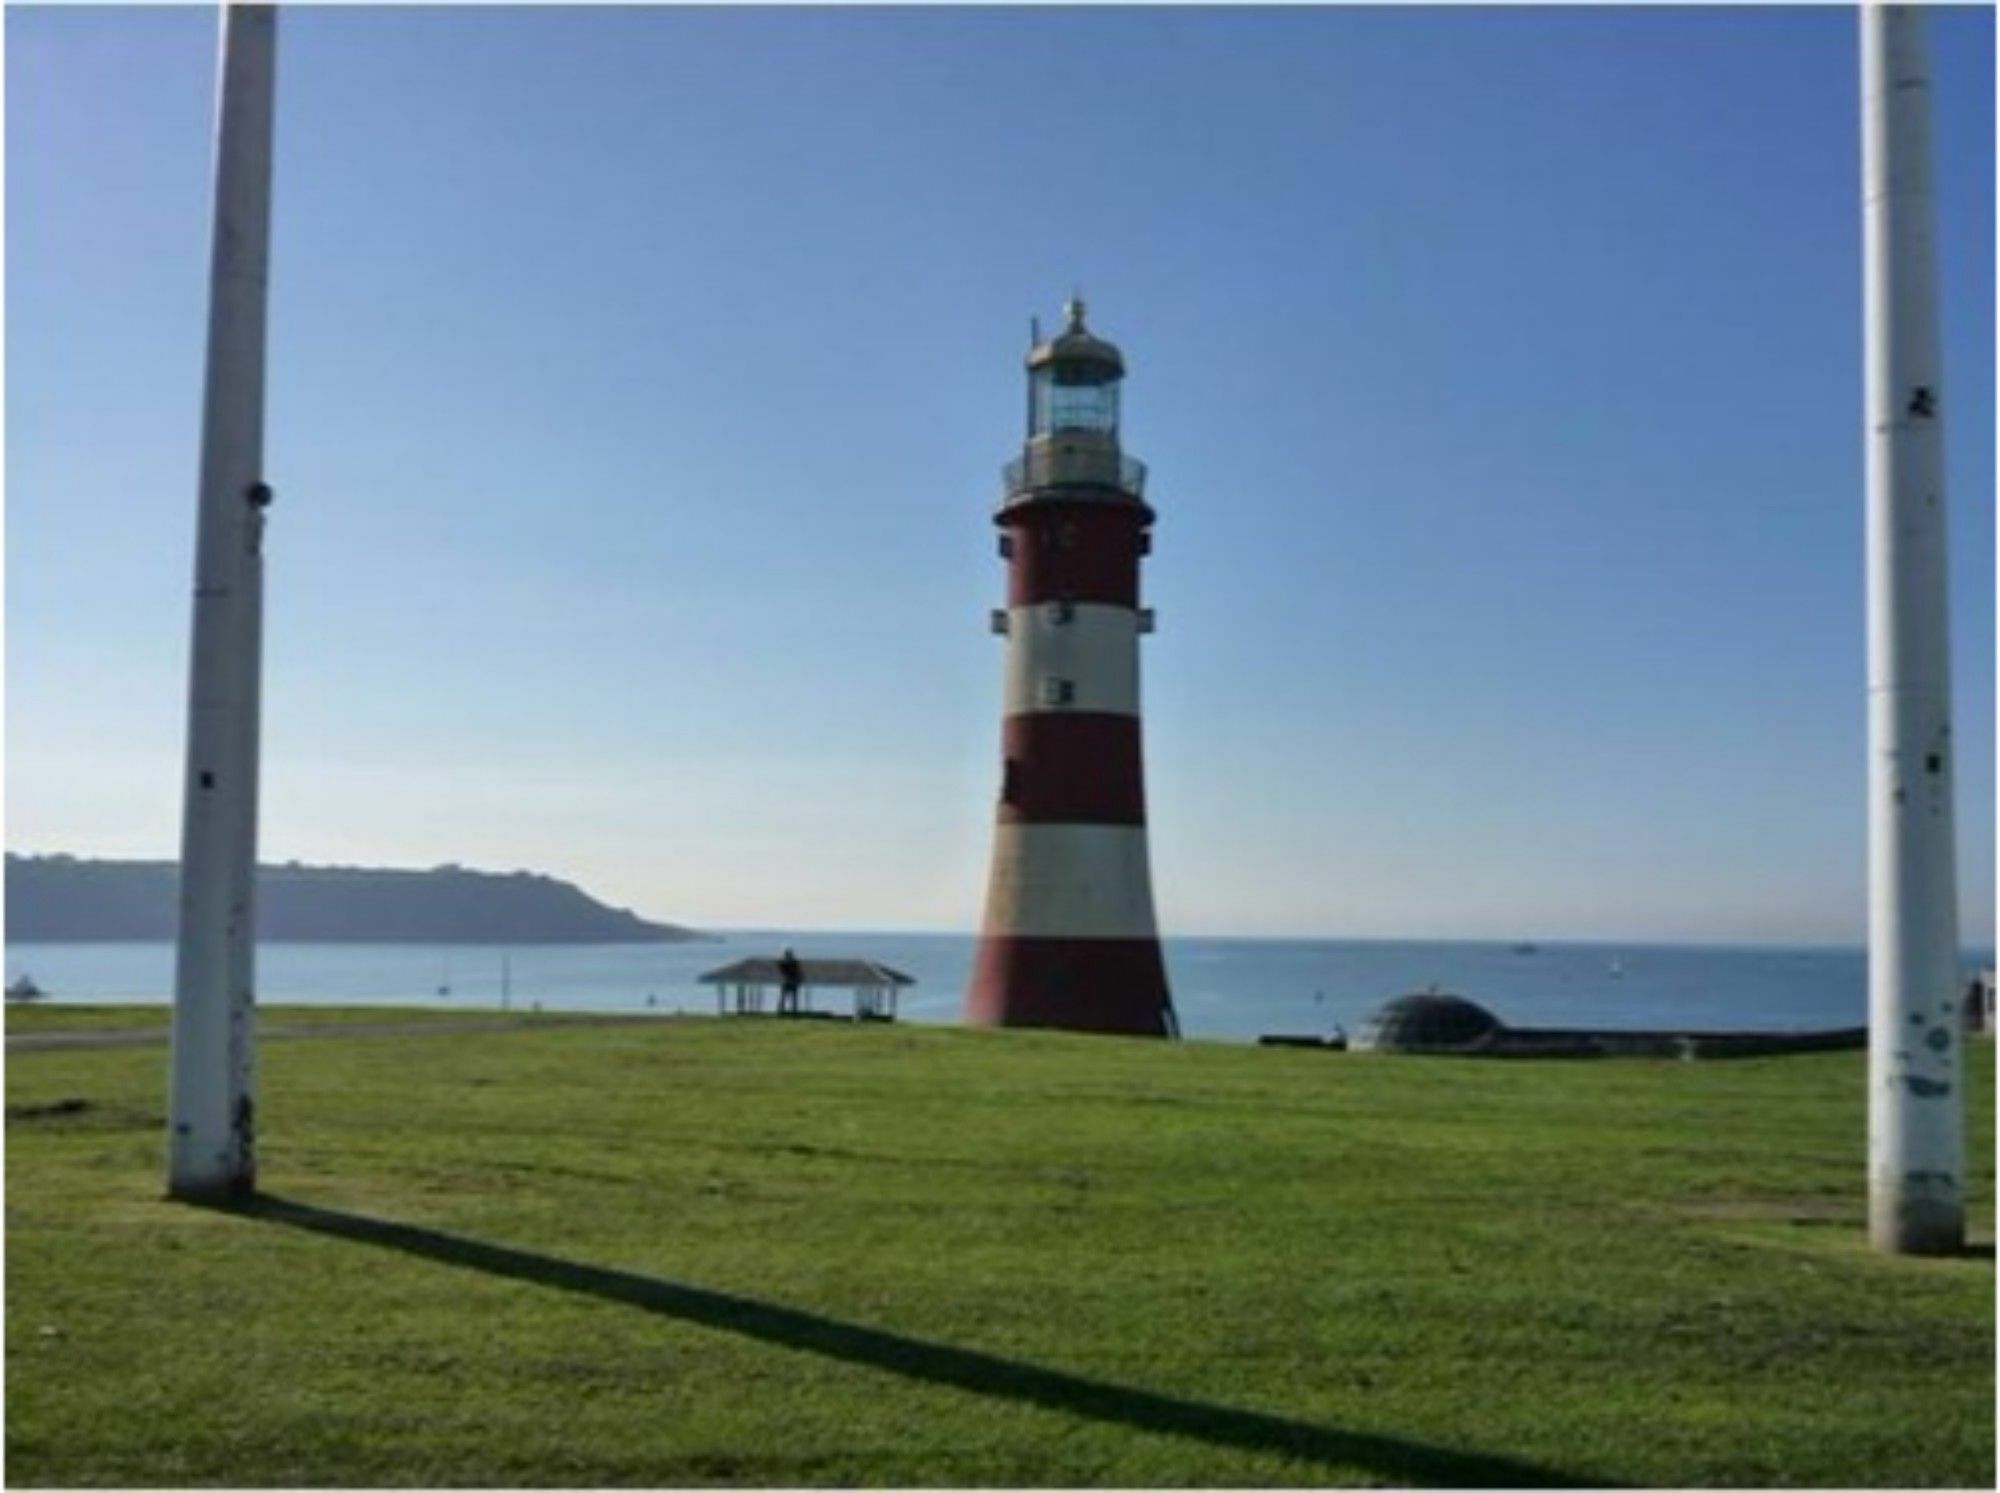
[1915, 1102]
[213, 1091]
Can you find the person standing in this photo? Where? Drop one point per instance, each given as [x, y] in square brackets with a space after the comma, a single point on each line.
[790, 975]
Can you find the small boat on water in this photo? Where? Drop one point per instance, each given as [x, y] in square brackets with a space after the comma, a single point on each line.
[1527, 948]
[25, 989]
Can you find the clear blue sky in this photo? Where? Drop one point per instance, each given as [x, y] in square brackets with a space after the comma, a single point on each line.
[640, 380]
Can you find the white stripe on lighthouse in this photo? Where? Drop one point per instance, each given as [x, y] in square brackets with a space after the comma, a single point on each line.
[1070, 881]
[1092, 647]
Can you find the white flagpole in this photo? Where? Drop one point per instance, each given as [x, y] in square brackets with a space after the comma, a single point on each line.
[1916, 1160]
[213, 1091]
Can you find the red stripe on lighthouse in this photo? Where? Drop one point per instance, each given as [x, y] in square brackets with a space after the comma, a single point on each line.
[1080, 984]
[1075, 551]
[1072, 768]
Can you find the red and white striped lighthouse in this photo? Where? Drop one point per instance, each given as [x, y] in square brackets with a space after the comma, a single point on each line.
[1069, 938]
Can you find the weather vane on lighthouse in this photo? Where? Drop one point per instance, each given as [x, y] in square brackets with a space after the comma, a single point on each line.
[1069, 938]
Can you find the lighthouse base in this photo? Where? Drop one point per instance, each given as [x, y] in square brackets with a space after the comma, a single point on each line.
[1116, 985]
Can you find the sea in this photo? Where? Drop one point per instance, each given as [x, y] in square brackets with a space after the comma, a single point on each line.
[1226, 989]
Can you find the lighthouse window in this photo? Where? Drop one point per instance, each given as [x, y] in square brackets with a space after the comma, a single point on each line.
[1058, 691]
[1010, 782]
[1068, 397]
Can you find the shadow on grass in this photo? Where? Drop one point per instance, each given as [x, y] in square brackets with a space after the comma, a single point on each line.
[1385, 1457]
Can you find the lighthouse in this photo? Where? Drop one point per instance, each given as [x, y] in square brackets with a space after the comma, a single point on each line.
[1069, 938]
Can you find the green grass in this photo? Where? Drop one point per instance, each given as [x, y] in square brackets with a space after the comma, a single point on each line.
[54, 1016]
[685, 1251]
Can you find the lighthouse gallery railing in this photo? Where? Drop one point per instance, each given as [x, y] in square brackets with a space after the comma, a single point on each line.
[1059, 466]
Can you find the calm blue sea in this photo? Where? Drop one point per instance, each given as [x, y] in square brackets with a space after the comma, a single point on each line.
[1226, 988]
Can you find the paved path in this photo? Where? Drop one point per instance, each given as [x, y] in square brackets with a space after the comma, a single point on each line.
[155, 1036]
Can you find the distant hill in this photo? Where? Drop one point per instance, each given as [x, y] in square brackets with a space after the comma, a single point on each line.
[60, 899]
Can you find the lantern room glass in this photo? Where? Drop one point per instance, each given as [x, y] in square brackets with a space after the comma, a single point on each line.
[1074, 397]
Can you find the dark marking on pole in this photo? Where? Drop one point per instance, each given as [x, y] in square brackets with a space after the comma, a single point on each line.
[208, 780]
[1934, 763]
[1926, 1088]
[1938, 1040]
[1934, 1179]
[260, 494]
[245, 1125]
[1923, 403]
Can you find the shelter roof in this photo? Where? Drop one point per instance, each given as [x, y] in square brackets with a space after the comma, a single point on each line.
[848, 972]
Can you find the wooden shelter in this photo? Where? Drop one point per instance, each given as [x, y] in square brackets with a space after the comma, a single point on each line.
[741, 988]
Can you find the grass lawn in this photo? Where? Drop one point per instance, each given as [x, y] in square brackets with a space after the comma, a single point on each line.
[22, 1019]
[680, 1251]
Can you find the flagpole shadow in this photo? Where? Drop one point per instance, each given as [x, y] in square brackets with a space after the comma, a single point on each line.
[1385, 1457]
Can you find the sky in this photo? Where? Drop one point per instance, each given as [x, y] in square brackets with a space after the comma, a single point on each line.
[640, 380]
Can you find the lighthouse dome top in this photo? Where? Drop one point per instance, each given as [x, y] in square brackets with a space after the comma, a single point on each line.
[1076, 348]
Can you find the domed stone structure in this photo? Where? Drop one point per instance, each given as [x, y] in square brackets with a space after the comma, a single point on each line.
[1429, 1021]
